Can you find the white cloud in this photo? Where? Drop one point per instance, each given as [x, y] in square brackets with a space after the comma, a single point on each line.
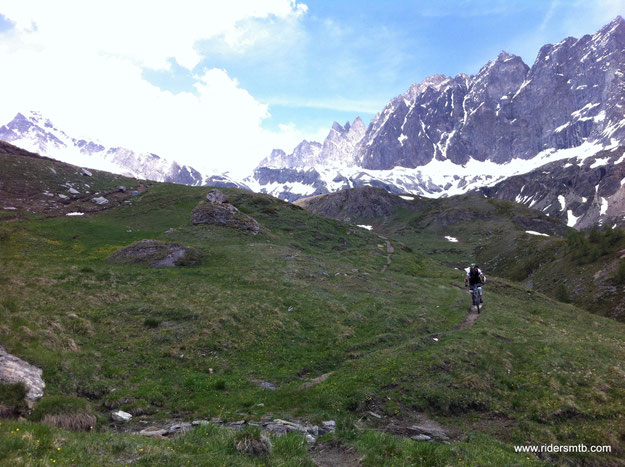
[81, 63]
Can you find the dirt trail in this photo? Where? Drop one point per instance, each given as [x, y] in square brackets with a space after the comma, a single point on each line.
[469, 320]
[390, 249]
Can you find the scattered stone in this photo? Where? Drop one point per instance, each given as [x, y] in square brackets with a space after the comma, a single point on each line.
[52, 170]
[47, 193]
[329, 425]
[122, 189]
[87, 173]
[10, 208]
[421, 438]
[276, 429]
[217, 197]
[121, 416]
[100, 200]
[218, 211]
[374, 415]
[156, 254]
[179, 428]
[73, 191]
[170, 231]
[263, 384]
[153, 433]
[315, 381]
[430, 428]
[63, 196]
[200, 422]
[15, 370]
[134, 193]
[72, 345]
[290, 308]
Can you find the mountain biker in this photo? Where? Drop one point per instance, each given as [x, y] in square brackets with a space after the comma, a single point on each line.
[475, 277]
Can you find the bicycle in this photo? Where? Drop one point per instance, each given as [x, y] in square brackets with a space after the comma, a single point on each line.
[476, 297]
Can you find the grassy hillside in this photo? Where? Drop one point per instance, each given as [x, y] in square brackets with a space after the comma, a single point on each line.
[494, 233]
[304, 298]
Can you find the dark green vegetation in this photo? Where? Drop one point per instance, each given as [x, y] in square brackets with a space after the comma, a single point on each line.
[302, 298]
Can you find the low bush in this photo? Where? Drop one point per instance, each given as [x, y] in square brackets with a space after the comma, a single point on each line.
[70, 413]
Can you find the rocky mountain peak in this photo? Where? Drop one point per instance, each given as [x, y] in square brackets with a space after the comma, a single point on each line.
[336, 126]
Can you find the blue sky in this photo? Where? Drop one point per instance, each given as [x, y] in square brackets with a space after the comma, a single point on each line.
[218, 85]
[349, 58]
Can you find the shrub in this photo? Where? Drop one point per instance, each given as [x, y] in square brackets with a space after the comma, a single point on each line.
[251, 442]
[220, 385]
[151, 322]
[619, 277]
[562, 294]
[12, 399]
[70, 413]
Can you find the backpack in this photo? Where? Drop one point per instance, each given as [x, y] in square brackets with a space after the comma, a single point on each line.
[474, 276]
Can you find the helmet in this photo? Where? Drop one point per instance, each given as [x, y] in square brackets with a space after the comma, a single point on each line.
[473, 265]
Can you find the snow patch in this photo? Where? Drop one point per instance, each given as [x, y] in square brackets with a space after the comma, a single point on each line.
[571, 219]
[532, 232]
[599, 162]
[562, 202]
[75, 214]
[604, 206]
[408, 198]
[451, 239]
[368, 227]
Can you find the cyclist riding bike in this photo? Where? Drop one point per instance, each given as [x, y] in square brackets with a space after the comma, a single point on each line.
[475, 277]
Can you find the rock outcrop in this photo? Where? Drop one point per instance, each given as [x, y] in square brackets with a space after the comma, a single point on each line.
[217, 210]
[156, 254]
[15, 370]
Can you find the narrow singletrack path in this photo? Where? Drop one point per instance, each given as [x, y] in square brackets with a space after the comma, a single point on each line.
[390, 249]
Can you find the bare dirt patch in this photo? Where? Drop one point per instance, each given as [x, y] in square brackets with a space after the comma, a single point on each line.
[335, 454]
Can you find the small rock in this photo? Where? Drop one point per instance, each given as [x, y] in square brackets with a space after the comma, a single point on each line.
[121, 416]
[63, 196]
[73, 191]
[15, 370]
[100, 200]
[122, 189]
[374, 415]
[276, 429]
[200, 422]
[179, 428]
[329, 425]
[72, 345]
[263, 384]
[10, 208]
[421, 438]
[134, 193]
[52, 170]
[216, 197]
[86, 173]
[290, 308]
[153, 433]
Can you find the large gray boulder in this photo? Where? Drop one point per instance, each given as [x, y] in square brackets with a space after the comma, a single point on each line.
[15, 370]
[156, 254]
[217, 210]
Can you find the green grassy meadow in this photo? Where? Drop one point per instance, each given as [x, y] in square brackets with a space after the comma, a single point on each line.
[303, 298]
